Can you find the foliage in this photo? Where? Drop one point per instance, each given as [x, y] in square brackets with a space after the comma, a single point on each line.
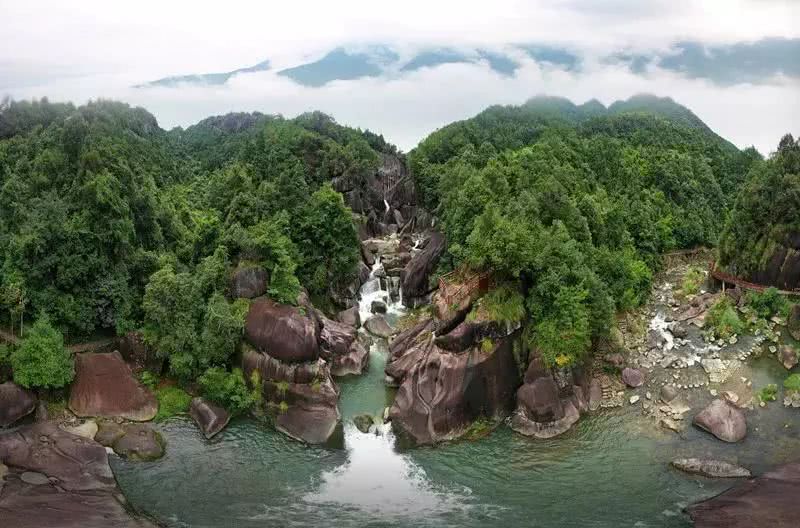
[229, 390]
[722, 319]
[149, 379]
[691, 281]
[792, 383]
[41, 360]
[768, 303]
[502, 304]
[768, 393]
[171, 401]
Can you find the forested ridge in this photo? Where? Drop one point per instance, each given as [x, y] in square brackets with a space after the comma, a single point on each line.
[110, 224]
[570, 206]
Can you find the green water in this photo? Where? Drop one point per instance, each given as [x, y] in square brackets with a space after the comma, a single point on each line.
[611, 470]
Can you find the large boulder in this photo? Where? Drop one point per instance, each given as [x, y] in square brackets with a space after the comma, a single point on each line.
[302, 396]
[209, 417]
[632, 377]
[15, 403]
[249, 282]
[377, 326]
[350, 317]
[417, 272]
[548, 404]
[341, 348]
[443, 392]
[723, 420]
[285, 332]
[78, 489]
[770, 500]
[794, 321]
[139, 442]
[104, 385]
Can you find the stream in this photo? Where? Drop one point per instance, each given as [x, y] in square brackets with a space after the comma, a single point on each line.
[611, 470]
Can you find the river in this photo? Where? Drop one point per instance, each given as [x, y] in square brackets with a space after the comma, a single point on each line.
[610, 471]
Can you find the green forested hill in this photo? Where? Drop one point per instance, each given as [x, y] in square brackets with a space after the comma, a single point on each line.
[574, 205]
[98, 205]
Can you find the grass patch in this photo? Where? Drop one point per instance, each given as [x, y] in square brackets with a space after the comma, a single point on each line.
[723, 321]
[768, 393]
[692, 281]
[504, 304]
[792, 383]
[171, 401]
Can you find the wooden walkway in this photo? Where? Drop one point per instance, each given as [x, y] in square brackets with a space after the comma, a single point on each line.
[727, 278]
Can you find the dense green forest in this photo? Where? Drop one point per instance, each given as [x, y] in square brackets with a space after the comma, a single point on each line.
[766, 216]
[109, 223]
[572, 205]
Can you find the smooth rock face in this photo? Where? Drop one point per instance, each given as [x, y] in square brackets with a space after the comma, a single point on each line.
[15, 403]
[282, 331]
[723, 421]
[79, 492]
[209, 417]
[544, 408]
[105, 386]
[769, 501]
[350, 317]
[710, 468]
[139, 442]
[377, 326]
[632, 377]
[249, 282]
[442, 393]
[88, 429]
[340, 347]
[416, 273]
[309, 412]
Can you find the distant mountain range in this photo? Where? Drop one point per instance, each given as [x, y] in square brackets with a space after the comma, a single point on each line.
[374, 61]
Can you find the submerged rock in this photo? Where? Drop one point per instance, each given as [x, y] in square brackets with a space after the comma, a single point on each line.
[723, 421]
[78, 491]
[15, 403]
[770, 500]
[209, 417]
[105, 386]
[363, 422]
[710, 468]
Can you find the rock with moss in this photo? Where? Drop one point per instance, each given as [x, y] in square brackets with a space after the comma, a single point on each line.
[139, 442]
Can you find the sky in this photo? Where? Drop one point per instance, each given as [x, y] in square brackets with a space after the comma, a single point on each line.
[735, 63]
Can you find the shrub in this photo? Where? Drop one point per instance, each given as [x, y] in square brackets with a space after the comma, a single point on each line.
[503, 304]
[722, 319]
[768, 393]
[691, 281]
[792, 383]
[148, 379]
[171, 401]
[42, 360]
[229, 389]
[768, 303]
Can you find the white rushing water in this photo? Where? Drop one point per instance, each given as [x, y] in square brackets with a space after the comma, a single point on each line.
[376, 478]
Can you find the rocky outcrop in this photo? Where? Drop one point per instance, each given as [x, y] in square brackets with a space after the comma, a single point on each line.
[345, 294]
[782, 268]
[710, 468]
[350, 317]
[209, 417]
[139, 442]
[723, 420]
[249, 282]
[67, 482]
[340, 347]
[104, 385]
[793, 323]
[15, 403]
[416, 274]
[301, 396]
[441, 392]
[770, 500]
[549, 403]
[286, 333]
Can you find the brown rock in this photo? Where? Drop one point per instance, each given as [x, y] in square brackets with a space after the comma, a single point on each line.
[15, 403]
[788, 356]
[350, 317]
[770, 500]
[80, 491]
[140, 442]
[632, 377]
[723, 421]
[339, 346]
[249, 282]
[209, 417]
[108, 432]
[417, 272]
[377, 326]
[105, 386]
[283, 331]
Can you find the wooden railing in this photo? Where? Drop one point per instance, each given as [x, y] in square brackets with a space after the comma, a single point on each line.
[727, 278]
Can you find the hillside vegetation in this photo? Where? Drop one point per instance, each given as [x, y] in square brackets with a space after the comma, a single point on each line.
[574, 204]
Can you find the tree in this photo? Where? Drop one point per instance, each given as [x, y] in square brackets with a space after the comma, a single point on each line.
[41, 360]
